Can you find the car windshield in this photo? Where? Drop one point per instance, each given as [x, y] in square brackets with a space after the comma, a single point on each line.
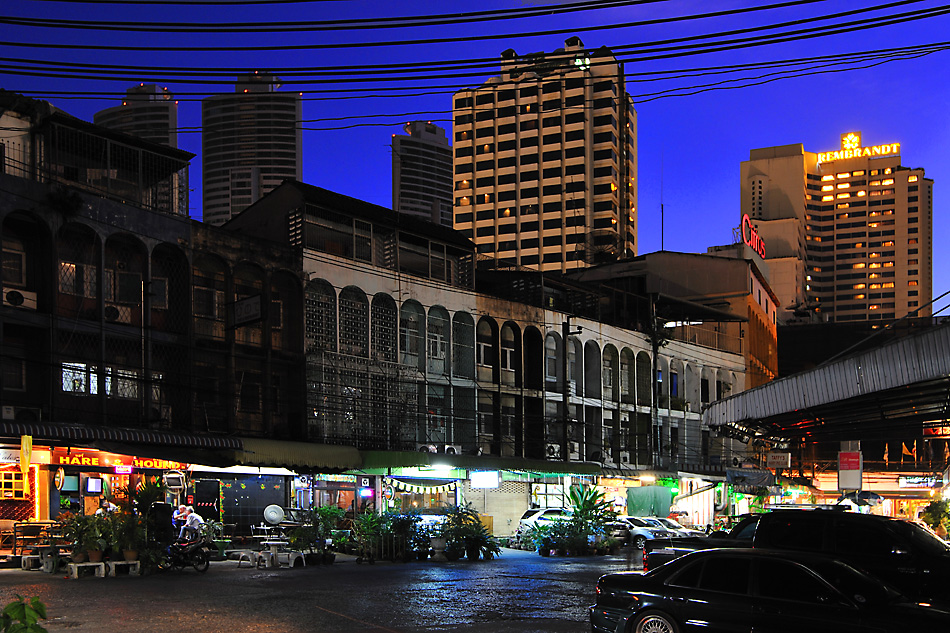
[637, 522]
[670, 523]
[930, 543]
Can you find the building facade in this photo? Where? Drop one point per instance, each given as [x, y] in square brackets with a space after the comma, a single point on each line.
[545, 161]
[422, 173]
[847, 234]
[250, 142]
[151, 113]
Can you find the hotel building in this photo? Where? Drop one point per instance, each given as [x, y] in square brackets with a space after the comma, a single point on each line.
[545, 161]
[151, 113]
[847, 234]
[250, 143]
[422, 173]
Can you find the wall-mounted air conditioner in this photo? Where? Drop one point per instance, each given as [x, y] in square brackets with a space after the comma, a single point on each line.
[553, 451]
[23, 414]
[427, 448]
[117, 313]
[624, 457]
[452, 449]
[16, 298]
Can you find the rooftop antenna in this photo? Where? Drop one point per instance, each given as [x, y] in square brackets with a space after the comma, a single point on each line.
[662, 248]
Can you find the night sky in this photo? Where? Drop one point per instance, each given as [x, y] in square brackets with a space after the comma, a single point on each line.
[690, 144]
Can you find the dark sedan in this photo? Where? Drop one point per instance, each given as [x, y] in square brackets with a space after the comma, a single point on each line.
[758, 590]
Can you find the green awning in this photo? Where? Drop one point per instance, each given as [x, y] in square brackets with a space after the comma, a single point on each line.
[409, 459]
[298, 456]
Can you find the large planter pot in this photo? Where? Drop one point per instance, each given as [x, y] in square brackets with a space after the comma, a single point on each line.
[438, 549]
[78, 556]
[95, 555]
[130, 555]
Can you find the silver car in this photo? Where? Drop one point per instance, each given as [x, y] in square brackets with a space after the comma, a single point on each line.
[641, 530]
[673, 526]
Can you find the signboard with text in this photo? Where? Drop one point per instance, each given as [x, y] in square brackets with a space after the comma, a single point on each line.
[850, 470]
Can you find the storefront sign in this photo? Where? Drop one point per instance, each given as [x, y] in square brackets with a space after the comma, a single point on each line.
[778, 460]
[850, 470]
[484, 479]
[98, 459]
[751, 236]
[917, 481]
[851, 148]
[26, 452]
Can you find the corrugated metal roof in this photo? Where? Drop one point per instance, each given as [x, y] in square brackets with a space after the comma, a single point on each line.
[907, 378]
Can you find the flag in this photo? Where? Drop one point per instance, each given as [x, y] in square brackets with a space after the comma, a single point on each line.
[885, 453]
[911, 452]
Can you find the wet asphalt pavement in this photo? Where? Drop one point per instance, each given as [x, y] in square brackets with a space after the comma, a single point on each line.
[519, 592]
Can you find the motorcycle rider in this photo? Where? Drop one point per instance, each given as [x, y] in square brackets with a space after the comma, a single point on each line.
[192, 525]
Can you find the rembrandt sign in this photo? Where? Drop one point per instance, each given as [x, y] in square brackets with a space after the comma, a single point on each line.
[851, 148]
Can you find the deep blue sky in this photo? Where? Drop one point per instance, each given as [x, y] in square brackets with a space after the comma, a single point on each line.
[693, 144]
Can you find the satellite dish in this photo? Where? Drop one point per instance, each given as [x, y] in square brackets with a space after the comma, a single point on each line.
[273, 514]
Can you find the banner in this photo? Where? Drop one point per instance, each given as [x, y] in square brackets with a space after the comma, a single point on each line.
[26, 453]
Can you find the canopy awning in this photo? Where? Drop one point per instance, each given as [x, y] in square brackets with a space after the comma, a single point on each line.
[298, 456]
[87, 434]
[410, 459]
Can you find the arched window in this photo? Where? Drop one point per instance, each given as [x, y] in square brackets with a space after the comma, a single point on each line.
[354, 322]
[320, 300]
[384, 328]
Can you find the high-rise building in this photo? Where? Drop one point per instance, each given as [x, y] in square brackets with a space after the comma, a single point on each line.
[250, 143]
[545, 161]
[847, 234]
[422, 173]
[151, 113]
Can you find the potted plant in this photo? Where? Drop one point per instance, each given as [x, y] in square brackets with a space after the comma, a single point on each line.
[71, 527]
[465, 533]
[327, 518]
[128, 534]
[402, 527]
[96, 536]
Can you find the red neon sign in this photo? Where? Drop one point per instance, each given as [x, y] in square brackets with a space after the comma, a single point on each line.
[751, 237]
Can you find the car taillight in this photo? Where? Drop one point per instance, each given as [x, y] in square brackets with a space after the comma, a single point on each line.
[645, 559]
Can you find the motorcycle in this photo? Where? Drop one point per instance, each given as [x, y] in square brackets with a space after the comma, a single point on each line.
[188, 553]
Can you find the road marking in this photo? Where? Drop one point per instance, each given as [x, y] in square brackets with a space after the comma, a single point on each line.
[370, 624]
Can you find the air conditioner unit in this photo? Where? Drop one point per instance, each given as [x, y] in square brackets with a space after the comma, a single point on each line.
[452, 449]
[19, 298]
[624, 457]
[23, 414]
[553, 451]
[117, 314]
[427, 448]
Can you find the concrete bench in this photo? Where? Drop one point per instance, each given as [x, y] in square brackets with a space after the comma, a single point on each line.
[98, 568]
[30, 561]
[133, 567]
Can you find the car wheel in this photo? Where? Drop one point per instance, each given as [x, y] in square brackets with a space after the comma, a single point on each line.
[654, 622]
[639, 541]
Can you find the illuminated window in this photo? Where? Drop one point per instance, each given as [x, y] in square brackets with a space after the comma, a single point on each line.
[827, 178]
[888, 243]
[844, 175]
[874, 306]
[828, 188]
[859, 286]
[872, 255]
[827, 198]
[859, 245]
[873, 275]
[860, 296]
[888, 284]
[888, 212]
[887, 171]
[912, 282]
[464, 201]
[875, 183]
[875, 265]
[888, 264]
[912, 179]
[875, 286]
[860, 265]
[873, 225]
[862, 193]
[887, 181]
[843, 185]
[858, 173]
[912, 240]
[911, 262]
[843, 195]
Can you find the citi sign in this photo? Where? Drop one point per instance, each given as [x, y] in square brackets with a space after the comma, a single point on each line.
[751, 237]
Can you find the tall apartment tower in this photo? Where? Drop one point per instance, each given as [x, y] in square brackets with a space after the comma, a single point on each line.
[545, 161]
[847, 234]
[422, 173]
[151, 113]
[250, 143]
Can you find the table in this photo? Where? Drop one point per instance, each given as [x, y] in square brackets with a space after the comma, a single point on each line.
[274, 546]
[30, 534]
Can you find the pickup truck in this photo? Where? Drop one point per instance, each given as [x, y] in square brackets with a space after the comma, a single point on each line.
[900, 552]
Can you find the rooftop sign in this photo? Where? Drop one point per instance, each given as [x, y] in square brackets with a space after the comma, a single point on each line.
[851, 148]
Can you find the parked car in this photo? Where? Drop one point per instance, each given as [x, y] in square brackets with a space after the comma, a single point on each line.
[898, 551]
[537, 516]
[767, 591]
[639, 531]
[673, 526]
